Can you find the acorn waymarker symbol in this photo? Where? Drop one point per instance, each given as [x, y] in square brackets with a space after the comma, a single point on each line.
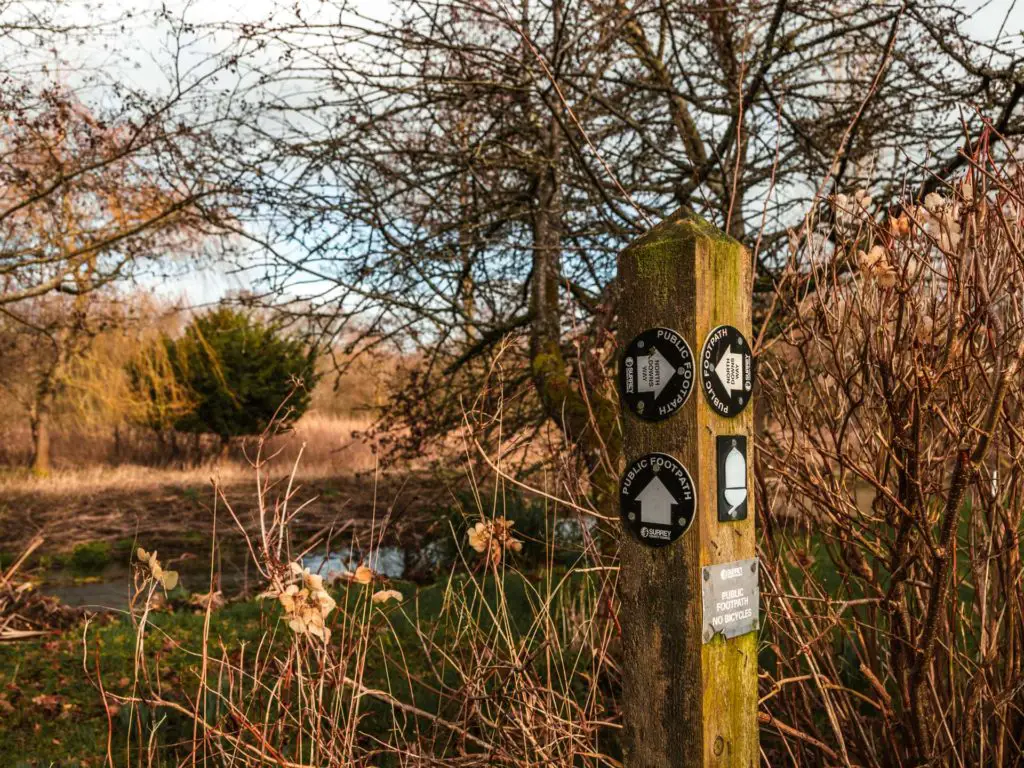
[732, 478]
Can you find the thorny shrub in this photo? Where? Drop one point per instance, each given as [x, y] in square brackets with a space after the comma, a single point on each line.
[891, 478]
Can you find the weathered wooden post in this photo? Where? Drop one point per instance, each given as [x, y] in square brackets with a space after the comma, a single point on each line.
[689, 577]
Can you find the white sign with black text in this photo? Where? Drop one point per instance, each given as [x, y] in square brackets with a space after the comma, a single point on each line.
[732, 598]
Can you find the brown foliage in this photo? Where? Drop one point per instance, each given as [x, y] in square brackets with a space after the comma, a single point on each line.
[891, 473]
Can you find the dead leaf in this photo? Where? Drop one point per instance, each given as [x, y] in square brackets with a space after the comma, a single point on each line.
[211, 600]
[387, 594]
[169, 579]
[50, 703]
[362, 575]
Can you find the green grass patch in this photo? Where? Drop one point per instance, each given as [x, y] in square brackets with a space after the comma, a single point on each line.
[51, 715]
[90, 557]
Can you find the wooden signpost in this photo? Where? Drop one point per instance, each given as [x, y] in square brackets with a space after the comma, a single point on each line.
[689, 577]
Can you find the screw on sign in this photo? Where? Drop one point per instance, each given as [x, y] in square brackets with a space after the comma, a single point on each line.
[726, 370]
[657, 499]
[656, 373]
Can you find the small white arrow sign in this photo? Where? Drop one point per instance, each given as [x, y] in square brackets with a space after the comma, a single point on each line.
[730, 371]
[655, 372]
[656, 503]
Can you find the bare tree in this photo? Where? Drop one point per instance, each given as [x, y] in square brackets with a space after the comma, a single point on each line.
[144, 159]
[103, 181]
[81, 213]
[467, 170]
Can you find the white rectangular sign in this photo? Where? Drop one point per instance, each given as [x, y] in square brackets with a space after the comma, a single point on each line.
[732, 598]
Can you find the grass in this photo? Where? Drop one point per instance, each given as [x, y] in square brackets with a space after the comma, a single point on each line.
[90, 557]
[52, 718]
[102, 503]
[490, 664]
[81, 458]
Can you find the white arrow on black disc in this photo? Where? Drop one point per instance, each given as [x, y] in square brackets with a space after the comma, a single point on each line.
[655, 373]
[656, 503]
[730, 371]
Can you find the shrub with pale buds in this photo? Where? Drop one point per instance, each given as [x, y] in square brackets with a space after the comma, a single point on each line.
[305, 601]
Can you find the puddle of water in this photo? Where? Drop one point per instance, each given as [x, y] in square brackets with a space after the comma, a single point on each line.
[387, 561]
[96, 596]
[424, 561]
[421, 563]
[111, 591]
[569, 530]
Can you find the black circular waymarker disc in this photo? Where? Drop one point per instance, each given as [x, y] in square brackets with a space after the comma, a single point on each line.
[656, 373]
[657, 499]
[726, 370]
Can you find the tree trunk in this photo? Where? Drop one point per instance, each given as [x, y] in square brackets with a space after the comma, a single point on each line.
[224, 452]
[587, 418]
[545, 334]
[116, 458]
[41, 435]
[466, 285]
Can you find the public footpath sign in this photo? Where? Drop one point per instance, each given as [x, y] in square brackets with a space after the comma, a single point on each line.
[656, 373]
[726, 370]
[657, 499]
[732, 599]
[688, 573]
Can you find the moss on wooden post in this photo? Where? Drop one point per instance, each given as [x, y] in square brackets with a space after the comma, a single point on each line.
[685, 703]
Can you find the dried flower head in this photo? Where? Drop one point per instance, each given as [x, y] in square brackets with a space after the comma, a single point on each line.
[863, 199]
[305, 601]
[385, 595]
[493, 537]
[899, 226]
[934, 202]
[361, 575]
[875, 265]
[940, 220]
[967, 190]
[950, 236]
[872, 258]
[886, 276]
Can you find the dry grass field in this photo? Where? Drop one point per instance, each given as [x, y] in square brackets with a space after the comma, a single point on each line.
[90, 498]
[327, 440]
